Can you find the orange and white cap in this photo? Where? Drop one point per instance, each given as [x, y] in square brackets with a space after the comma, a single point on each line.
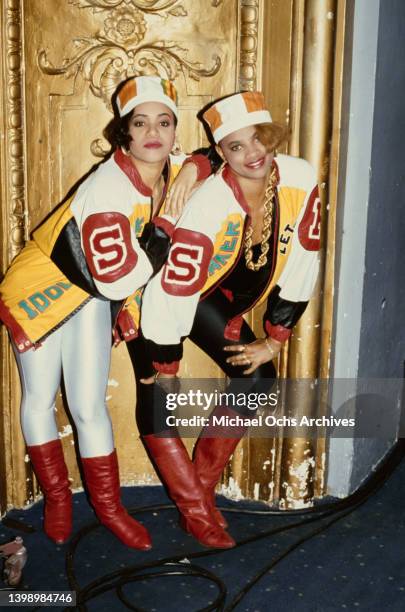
[142, 89]
[235, 112]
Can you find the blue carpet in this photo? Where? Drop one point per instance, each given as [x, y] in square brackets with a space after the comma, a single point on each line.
[358, 563]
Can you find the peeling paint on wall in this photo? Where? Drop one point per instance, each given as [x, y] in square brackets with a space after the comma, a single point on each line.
[266, 464]
[301, 473]
[232, 490]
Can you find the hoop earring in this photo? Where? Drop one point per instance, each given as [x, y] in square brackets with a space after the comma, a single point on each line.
[176, 150]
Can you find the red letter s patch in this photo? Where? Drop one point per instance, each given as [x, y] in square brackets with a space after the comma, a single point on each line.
[108, 247]
[309, 230]
[186, 269]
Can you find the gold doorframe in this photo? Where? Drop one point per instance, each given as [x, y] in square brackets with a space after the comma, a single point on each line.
[302, 63]
[276, 53]
[13, 469]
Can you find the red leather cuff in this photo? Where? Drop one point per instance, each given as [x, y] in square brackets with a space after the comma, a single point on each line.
[167, 368]
[165, 225]
[232, 329]
[126, 325]
[277, 332]
[202, 163]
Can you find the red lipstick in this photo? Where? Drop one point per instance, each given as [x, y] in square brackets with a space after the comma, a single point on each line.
[256, 165]
[154, 144]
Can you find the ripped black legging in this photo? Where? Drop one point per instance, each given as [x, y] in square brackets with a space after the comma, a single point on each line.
[212, 316]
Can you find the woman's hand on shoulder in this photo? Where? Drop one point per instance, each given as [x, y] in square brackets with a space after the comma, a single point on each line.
[254, 354]
[181, 190]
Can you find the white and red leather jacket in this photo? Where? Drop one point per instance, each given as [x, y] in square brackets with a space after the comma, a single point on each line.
[207, 243]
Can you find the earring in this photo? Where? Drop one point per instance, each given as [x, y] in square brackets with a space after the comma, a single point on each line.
[176, 150]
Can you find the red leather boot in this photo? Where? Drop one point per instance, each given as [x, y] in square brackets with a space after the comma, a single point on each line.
[102, 480]
[51, 471]
[211, 454]
[184, 487]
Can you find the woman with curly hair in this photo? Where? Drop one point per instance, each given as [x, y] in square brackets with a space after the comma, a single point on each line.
[66, 288]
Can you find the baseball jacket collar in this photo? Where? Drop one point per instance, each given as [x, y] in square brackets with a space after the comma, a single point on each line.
[124, 162]
[232, 182]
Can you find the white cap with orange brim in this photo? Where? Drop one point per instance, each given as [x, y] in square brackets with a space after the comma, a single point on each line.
[235, 112]
[142, 89]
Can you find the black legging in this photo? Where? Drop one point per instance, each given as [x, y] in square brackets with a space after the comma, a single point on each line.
[212, 316]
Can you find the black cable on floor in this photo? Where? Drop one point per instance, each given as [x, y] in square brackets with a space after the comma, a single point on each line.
[17, 525]
[176, 566]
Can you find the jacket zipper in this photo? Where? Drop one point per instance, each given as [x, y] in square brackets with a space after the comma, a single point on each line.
[63, 321]
[164, 193]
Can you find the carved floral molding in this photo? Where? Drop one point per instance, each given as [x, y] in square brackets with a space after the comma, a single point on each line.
[148, 6]
[115, 52]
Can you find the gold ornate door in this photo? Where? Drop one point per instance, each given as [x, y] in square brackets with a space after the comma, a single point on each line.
[61, 61]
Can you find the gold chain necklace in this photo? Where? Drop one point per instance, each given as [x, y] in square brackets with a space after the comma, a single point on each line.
[267, 227]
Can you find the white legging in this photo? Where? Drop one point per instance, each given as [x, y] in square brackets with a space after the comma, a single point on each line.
[81, 347]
